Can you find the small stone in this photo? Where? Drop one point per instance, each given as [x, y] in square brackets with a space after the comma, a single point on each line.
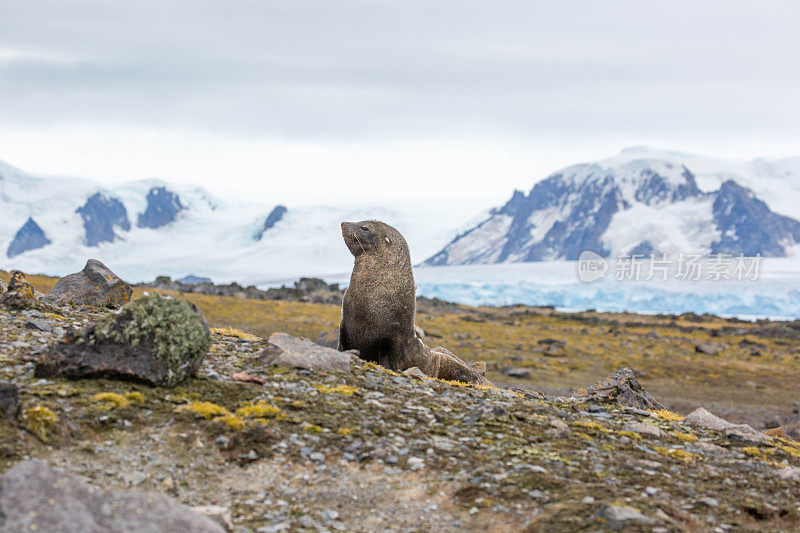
[329, 515]
[515, 372]
[317, 457]
[40, 325]
[619, 518]
[709, 348]
[587, 500]
[708, 501]
[222, 441]
[415, 463]
[415, 372]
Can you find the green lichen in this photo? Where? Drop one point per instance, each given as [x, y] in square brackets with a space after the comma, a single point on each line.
[175, 329]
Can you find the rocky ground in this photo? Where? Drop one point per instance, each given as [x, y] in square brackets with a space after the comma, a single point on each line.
[361, 448]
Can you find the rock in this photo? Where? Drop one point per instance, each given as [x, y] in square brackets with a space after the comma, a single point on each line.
[329, 339]
[95, 285]
[643, 428]
[293, 352]
[618, 518]
[741, 433]
[19, 293]
[652, 335]
[40, 325]
[622, 388]
[34, 497]
[515, 372]
[415, 372]
[710, 348]
[3, 287]
[9, 400]
[154, 340]
[29, 237]
[218, 513]
[789, 473]
[558, 429]
[419, 331]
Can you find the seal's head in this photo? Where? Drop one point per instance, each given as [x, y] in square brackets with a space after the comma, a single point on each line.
[373, 237]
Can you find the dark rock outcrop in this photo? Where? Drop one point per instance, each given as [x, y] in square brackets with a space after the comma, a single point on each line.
[622, 388]
[273, 218]
[29, 237]
[9, 400]
[101, 217]
[163, 207]
[747, 226]
[154, 340]
[305, 290]
[35, 497]
[292, 352]
[95, 285]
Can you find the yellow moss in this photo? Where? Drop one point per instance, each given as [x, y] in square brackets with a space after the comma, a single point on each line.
[584, 436]
[347, 390]
[260, 409]
[344, 431]
[54, 316]
[204, 409]
[112, 399]
[135, 397]
[685, 437]
[794, 452]
[588, 424]
[233, 332]
[630, 434]
[297, 404]
[665, 414]
[751, 451]
[311, 428]
[39, 420]
[680, 455]
[231, 421]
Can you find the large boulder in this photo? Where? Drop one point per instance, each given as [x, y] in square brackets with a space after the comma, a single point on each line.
[293, 352]
[35, 497]
[9, 400]
[95, 285]
[155, 340]
[622, 388]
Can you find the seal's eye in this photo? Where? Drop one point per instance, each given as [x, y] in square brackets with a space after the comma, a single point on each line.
[365, 228]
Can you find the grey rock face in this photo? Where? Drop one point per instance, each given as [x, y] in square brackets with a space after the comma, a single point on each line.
[618, 518]
[9, 400]
[747, 226]
[29, 237]
[35, 497]
[101, 217]
[95, 285]
[292, 352]
[741, 433]
[273, 218]
[163, 207]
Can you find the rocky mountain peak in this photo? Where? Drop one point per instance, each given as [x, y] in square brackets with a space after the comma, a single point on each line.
[101, 216]
[163, 207]
[29, 237]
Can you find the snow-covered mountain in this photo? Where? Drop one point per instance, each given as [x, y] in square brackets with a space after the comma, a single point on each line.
[147, 228]
[641, 202]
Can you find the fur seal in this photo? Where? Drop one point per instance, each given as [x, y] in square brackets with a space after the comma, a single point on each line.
[379, 306]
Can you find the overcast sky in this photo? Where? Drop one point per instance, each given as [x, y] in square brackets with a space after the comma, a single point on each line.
[331, 101]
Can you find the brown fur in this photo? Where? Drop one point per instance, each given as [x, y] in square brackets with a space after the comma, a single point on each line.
[379, 306]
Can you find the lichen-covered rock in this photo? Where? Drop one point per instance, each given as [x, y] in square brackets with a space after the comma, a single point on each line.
[9, 400]
[329, 339]
[620, 387]
[19, 294]
[35, 497]
[95, 285]
[292, 352]
[155, 340]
